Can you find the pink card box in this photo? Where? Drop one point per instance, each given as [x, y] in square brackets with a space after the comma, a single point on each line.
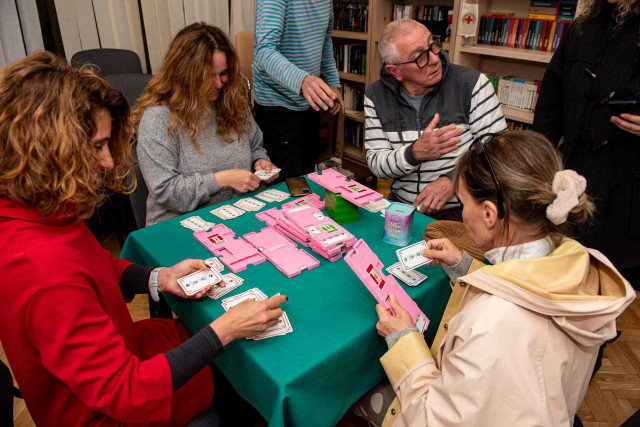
[369, 270]
[234, 253]
[351, 191]
[312, 199]
[281, 252]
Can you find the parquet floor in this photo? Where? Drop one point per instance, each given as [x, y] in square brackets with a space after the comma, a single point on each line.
[612, 397]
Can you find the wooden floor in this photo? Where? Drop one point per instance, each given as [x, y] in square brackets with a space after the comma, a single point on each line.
[613, 395]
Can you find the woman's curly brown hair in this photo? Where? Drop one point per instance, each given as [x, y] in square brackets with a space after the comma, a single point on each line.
[590, 8]
[184, 79]
[47, 120]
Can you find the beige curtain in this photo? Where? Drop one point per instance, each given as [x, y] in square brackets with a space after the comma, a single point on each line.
[20, 32]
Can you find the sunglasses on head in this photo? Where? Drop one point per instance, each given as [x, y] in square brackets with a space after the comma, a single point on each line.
[478, 146]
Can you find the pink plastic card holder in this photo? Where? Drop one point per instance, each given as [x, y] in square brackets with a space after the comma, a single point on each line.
[234, 253]
[329, 236]
[275, 218]
[369, 270]
[311, 199]
[351, 191]
[281, 252]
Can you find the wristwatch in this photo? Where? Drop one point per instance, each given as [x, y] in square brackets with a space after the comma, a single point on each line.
[153, 284]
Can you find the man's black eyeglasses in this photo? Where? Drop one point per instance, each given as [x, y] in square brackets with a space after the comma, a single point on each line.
[478, 147]
[423, 59]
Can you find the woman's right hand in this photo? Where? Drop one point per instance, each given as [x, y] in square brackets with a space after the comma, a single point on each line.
[239, 179]
[443, 252]
[248, 318]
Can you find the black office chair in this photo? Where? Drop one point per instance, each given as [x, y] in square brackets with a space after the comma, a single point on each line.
[130, 84]
[108, 61]
[7, 393]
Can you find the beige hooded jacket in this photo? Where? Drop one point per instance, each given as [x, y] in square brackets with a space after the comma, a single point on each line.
[516, 346]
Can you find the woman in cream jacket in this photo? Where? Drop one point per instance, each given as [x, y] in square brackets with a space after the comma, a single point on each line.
[519, 338]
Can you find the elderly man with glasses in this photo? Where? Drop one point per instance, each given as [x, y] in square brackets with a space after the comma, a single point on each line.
[422, 115]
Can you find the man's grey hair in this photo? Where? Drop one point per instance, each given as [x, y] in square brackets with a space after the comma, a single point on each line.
[387, 46]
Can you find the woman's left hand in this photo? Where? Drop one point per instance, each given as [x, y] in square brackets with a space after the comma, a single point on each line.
[388, 323]
[267, 166]
[168, 277]
[628, 123]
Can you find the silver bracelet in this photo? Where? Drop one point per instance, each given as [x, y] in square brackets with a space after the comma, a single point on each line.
[153, 284]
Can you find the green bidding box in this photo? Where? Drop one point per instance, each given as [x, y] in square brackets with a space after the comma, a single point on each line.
[340, 210]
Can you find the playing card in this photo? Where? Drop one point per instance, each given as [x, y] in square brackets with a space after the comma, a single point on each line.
[263, 175]
[253, 294]
[231, 282]
[214, 262]
[193, 283]
[410, 256]
[196, 223]
[411, 278]
[377, 206]
[283, 327]
[227, 212]
[272, 195]
[249, 204]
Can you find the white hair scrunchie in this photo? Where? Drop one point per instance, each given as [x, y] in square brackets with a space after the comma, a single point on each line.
[568, 186]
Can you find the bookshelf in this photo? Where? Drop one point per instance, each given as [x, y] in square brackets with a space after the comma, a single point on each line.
[498, 60]
[379, 14]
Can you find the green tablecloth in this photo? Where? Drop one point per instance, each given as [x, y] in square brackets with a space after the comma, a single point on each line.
[312, 376]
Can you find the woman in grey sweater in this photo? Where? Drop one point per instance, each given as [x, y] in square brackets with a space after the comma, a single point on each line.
[197, 142]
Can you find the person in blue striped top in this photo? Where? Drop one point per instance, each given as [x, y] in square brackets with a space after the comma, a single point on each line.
[292, 49]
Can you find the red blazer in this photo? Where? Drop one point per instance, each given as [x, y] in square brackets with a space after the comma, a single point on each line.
[76, 354]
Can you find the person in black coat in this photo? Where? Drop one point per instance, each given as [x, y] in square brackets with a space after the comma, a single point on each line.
[590, 95]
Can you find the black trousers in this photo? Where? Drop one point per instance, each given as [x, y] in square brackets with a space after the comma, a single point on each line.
[291, 138]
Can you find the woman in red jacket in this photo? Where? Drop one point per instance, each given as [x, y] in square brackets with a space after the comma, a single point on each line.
[77, 356]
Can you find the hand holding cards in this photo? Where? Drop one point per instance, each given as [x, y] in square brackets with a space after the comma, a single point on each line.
[195, 282]
[411, 256]
[279, 325]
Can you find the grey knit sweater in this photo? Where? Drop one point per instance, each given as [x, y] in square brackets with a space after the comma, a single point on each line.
[179, 176]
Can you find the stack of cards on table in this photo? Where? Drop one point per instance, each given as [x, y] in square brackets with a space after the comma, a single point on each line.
[231, 281]
[273, 195]
[196, 223]
[302, 221]
[377, 206]
[227, 212]
[411, 278]
[214, 262]
[249, 204]
[411, 257]
[283, 326]
[263, 175]
[195, 282]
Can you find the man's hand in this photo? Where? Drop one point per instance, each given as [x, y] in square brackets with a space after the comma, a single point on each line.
[388, 323]
[267, 166]
[435, 143]
[239, 179]
[248, 318]
[168, 277]
[318, 93]
[628, 123]
[443, 252]
[434, 195]
[338, 105]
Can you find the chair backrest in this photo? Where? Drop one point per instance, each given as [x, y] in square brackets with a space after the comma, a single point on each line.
[138, 198]
[130, 84]
[108, 61]
[244, 46]
[7, 393]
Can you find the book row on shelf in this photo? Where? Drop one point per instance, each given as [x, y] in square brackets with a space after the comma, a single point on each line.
[553, 10]
[353, 96]
[515, 125]
[350, 57]
[422, 12]
[436, 18]
[353, 133]
[350, 16]
[514, 92]
[523, 33]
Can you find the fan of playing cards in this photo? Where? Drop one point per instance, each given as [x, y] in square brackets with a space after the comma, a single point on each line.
[283, 326]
